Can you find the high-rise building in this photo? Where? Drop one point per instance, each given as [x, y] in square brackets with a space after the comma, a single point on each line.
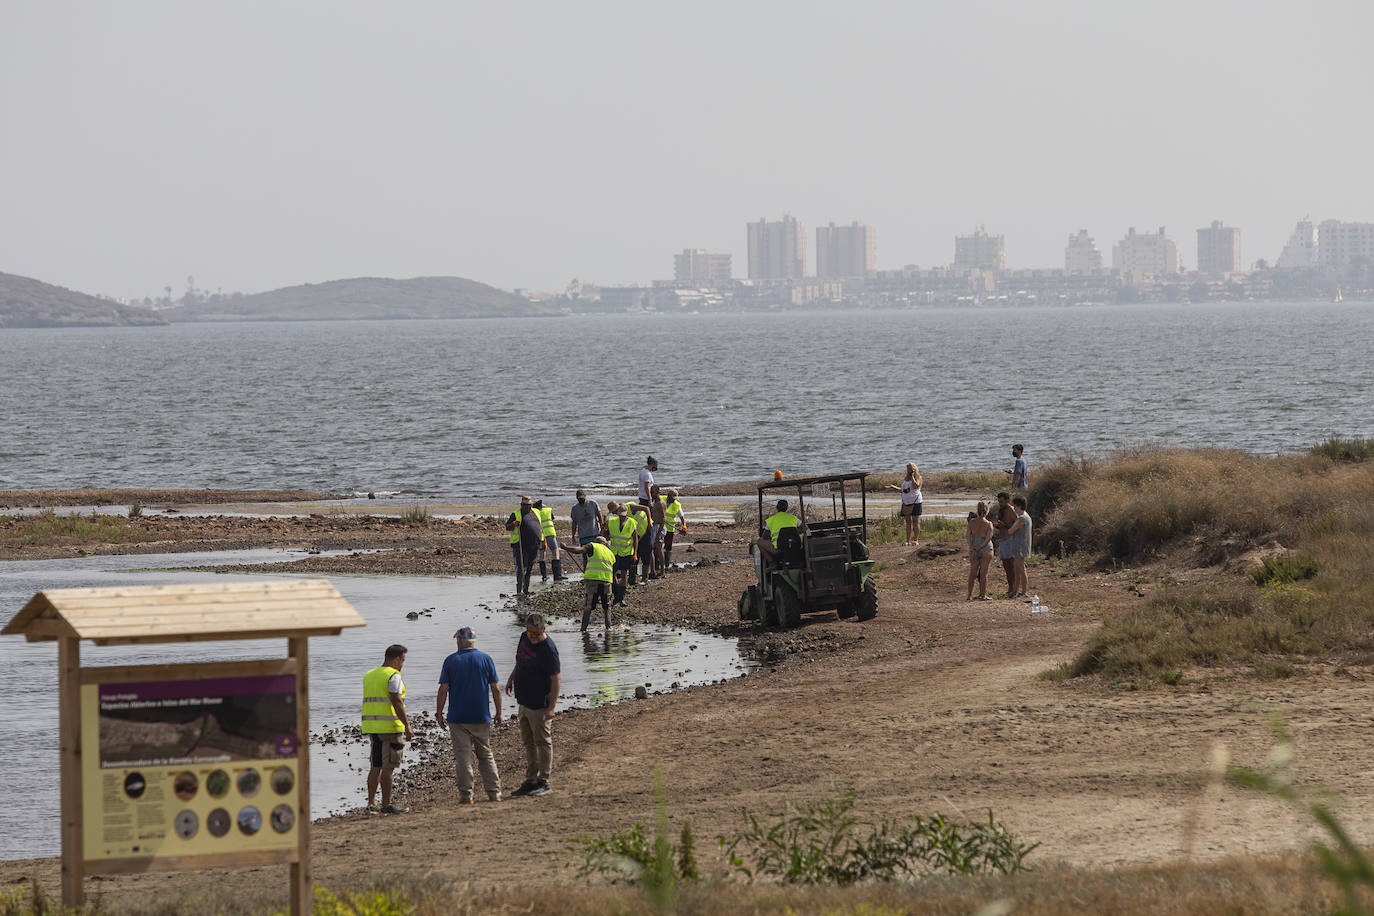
[1144, 258]
[1218, 250]
[1081, 255]
[1341, 245]
[980, 251]
[777, 251]
[1301, 250]
[846, 251]
[696, 265]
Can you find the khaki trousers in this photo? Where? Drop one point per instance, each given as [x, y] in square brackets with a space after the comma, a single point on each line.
[470, 737]
[537, 734]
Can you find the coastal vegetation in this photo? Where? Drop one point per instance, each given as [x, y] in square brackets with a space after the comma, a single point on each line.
[1277, 550]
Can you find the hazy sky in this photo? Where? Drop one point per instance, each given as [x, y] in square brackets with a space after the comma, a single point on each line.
[256, 145]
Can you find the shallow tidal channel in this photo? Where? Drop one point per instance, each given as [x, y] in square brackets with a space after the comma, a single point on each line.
[598, 668]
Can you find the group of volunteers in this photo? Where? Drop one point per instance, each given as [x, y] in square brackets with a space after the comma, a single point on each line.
[633, 539]
[469, 685]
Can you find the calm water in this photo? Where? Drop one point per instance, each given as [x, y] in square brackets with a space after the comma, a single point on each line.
[596, 668]
[488, 407]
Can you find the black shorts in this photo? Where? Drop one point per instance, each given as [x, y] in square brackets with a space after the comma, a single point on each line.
[910, 510]
[625, 563]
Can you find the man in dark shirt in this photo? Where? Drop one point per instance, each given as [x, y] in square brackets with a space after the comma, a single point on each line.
[531, 537]
[534, 682]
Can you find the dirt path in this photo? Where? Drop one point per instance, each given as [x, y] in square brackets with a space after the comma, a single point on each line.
[937, 704]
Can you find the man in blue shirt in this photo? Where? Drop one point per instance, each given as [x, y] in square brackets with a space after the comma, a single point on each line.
[1018, 468]
[467, 677]
[535, 682]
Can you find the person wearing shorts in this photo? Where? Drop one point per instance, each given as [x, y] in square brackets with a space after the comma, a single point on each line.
[911, 503]
[386, 725]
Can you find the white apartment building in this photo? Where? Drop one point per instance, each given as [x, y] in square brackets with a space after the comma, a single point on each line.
[777, 251]
[1341, 245]
[1140, 259]
[980, 251]
[1218, 250]
[846, 251]
[1301, 250]
[1081, 255]
[696, 265]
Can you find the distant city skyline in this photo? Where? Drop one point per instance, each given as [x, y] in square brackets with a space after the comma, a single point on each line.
[257, 145]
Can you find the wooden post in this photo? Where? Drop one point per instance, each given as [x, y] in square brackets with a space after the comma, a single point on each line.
[69, 730]
[302, 897]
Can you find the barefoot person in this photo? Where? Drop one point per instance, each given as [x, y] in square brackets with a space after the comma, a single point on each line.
[911, 502]
[979, 551]
[465, 680]
[386, 726]
[1006, 517]
[1019, 540]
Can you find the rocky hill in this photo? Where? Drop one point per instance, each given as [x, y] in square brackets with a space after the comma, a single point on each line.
[28, 303]
[366, 297]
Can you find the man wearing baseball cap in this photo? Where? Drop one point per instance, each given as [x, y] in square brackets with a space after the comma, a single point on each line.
[466, 679]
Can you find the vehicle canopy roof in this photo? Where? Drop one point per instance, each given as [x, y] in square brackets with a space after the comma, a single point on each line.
[791, 483]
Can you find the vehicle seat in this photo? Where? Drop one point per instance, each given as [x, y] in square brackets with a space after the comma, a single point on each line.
[790, 548]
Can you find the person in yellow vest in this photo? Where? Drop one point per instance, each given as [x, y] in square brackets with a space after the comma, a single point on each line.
[674, 518]
[548, 538]
[596, 578]
[776, 523]
[523, 525]
[621, 537]
[386, 725]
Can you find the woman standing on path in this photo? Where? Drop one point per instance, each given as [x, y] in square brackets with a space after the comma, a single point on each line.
[911, 503]
[979, 551]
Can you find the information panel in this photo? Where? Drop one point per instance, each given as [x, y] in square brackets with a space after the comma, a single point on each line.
[191, 766]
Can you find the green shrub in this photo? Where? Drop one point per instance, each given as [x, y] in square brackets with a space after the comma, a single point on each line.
[416, 516]
[1284, 570]
[1345, 450]
[808, 843]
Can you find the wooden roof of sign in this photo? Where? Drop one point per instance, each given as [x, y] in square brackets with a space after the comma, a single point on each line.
[178, 613]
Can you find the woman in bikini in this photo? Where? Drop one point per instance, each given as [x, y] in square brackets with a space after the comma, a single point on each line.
[979, 551]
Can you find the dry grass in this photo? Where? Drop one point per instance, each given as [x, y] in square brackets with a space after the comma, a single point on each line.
[1289, 885]
[48, 529]
[1208, 508]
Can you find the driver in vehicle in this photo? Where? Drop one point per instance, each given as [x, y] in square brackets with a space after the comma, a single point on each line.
[776, 523]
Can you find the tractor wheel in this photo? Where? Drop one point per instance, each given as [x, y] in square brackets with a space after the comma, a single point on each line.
[749, 603]
[868, 601]
[789, 608]
[848, 608]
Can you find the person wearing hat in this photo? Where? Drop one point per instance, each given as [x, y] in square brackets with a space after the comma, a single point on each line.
[524, 526]
[465, 681]
[548, 538]
[621, 537]
[596, 578]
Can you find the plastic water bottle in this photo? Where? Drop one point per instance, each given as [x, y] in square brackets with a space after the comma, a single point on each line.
[1035, 604]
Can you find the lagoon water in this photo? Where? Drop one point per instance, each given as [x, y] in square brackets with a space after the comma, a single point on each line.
[597, 668]
[484, 408]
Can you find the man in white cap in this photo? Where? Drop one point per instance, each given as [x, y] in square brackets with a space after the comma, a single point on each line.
[466, 679]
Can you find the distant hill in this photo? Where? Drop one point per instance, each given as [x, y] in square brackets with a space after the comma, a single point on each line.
[28, 303]
[366, 297]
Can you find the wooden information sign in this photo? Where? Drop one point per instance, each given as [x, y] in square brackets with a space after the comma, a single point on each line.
[185, 766]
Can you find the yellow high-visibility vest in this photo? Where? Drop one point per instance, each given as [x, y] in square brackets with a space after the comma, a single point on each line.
[379, 717]
[515, 532]
[670, 514]
[600, 561]
[780, 520]
[622, 531]
[546, 529]
[641, 523]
